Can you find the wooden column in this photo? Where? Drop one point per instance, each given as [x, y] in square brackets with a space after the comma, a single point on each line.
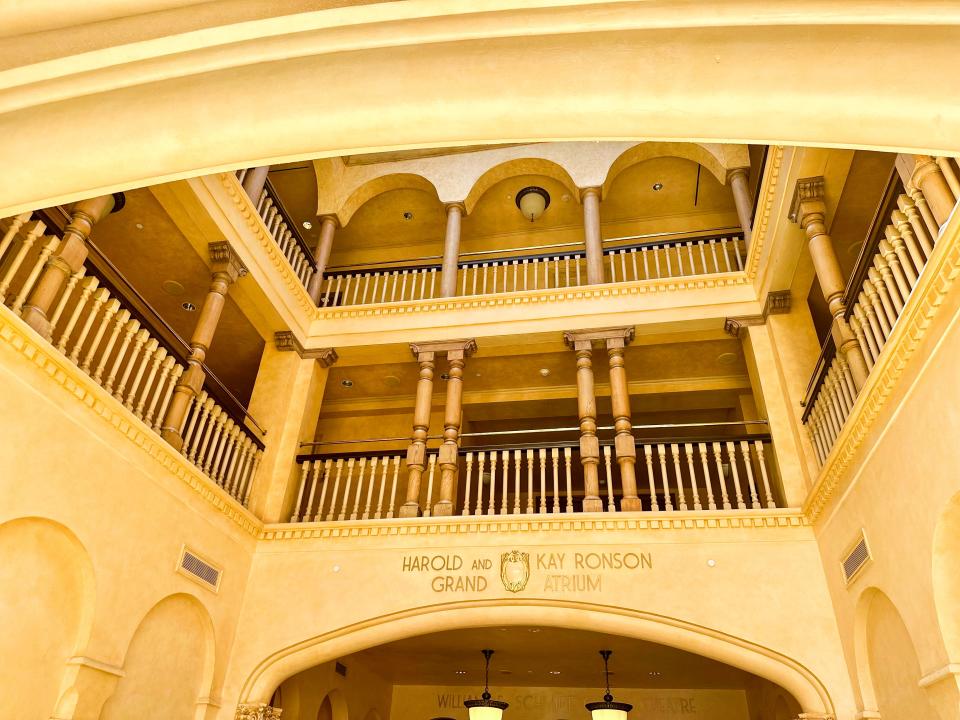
[328, 226]
[68, 259]
[417, 452]
[452, 416]
[616, 341]
[808, 210]
[254, 181]
[929, 178]
[741, 198]
[587, 411]
[451, 251]
[590, 197]
[226, 269]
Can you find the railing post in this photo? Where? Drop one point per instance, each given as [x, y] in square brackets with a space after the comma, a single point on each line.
[921, 172]
[417, 451]
[741, 198]
[587, 411]
[226, 269]
[68, 259]
[451, 250]
[453, 414]
[254, 180]
[328, 227]
[593, 244]
[808, 210]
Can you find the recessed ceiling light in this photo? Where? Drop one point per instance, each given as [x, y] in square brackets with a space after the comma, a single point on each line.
[172, 287]
[727, 358]
[391, 381]
[554, 672]
[460, 672]
[408, 215]
[347, 383]
[657, 186]
[654, 673]
[336, 568]
[307, 224]
[188, 306]
[711, 563]
[545, 372]
[139, 226]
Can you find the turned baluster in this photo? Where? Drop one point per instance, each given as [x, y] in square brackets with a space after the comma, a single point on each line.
[873, 322]
[543, 480]
[16, 222]
[611, 503]
[99, 298]
[681, 497]
[895, 265]
[26, 242]
[393, 487]
[65, 296]
[748, 465]
[869, 355]
[651, 480]
[139, 340]
[336, 490]
[209, 451]
[467, 486]
[914, 229]
[231, 445]
[149, 350]
[345, 503]
[354, 514]
[129, 330]
[325, 480]
[761, 462]
[873, 298]
[158, 392]
[493, 484]
[688, 451]
[304, 472]
[862, 320]
[735, 474]
[517, 454]
[257, 458]
[109, 313]
[721, 478]
[481, 462]
[220, 447]
[567, 462]
[890, 283]
[203, 430]
[929, 222]
[711, 502]
[238, 464]
[505, 457]
[373, 479]
[383, 487]
[530, 507]
[950, 176]
[45, 252]
[886, 305]
[431, 469]
[555, 458]
[86, 290]
[667, 499]
[158, 358]
[190, 422]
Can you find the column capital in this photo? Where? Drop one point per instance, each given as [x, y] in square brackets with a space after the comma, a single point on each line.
[738, 171]
[260, 711]
[585, 192]
[807, 199]
[465, 348]
[457, 204]
[224, 260]
[611, 337]
[286, 341]
[329, 219]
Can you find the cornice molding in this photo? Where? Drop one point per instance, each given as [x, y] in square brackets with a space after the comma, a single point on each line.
[935, 283]
[20, 338]
[761, 224]
[576, 522]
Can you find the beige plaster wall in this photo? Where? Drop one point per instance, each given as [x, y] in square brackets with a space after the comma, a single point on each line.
[361, 695]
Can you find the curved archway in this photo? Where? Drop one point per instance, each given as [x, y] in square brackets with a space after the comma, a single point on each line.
[519, 166]
[169, 662]
[378, 186]
[47, 597]
[946, 576]
[886, 660]
[765, 662]
[695, 152]
[333, 707]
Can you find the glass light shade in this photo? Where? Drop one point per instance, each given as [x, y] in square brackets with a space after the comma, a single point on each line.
[609, 710]
[532, 201]
[485, 709]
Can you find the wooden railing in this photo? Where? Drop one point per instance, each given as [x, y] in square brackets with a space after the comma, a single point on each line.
[880, 288]
[284, 232]
[673, 475]
[93, 330]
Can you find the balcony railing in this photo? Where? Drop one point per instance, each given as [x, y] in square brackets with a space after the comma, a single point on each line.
[539, 268]
[889, 269]
[93, 329]
[672, 475]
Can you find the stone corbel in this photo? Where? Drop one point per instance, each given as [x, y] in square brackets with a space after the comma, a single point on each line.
[807, 197]
[261, 711]
[286, 341]
[777, 303]
[734, 326]
[224, 260]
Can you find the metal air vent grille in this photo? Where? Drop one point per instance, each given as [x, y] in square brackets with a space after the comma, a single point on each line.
[199, 569]
[855, 559]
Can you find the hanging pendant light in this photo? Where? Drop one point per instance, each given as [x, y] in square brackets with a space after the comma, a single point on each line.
[608, 709]
[532, 201]
[486, 708]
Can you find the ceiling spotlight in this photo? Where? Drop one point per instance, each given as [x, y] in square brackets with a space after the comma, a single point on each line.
[460, 672]
[408, 215]
[554, 672]
[532, 201]
[545, 372]
[188, 306]
[654, 673]
[307, 224]
[657, 186]
[139, 226]
[347, 383]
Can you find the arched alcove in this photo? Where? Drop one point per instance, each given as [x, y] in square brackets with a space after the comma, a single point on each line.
[946, 576]
[888, 669]
[370, 189]
[46, 605]
[514, 168]
[764, 662]
[168, 665]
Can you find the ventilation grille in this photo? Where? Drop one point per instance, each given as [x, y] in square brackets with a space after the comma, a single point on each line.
[855, 560]
[200, 570]
[340, 669]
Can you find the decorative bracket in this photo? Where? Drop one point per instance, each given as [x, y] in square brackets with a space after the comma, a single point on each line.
[224, 259]
[808, 190]
[286, 341]
[453, 348]
[611, 337]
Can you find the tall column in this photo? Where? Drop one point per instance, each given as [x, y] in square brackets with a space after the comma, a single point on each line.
[928, 177]
[254, 181]
[809, 210]
[451, 250]
[452, 415]
[328, 226]
[68, 259]
[741, 198]
[417, 452]
[617, 340]
[226, 269]
[590, 197]
[587, 412]
[286, 398]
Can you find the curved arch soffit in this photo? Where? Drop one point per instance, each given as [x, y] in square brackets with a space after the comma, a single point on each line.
[378, 186]
[946, 583]
[780, 669]
[694, 152]
[861, 657]
[85, 565]
[206, 682]
[513, 168]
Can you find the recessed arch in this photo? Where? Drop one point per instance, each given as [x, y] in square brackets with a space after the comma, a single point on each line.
[512, 168]
[695, 152]
[946, 576]
[765, 662]
[338, 709]
[378, 186]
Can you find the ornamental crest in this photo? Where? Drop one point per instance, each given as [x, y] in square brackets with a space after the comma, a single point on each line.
[258, 712]
[514, 570]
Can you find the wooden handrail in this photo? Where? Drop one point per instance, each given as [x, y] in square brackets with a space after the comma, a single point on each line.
[291, 225]
[827, 353]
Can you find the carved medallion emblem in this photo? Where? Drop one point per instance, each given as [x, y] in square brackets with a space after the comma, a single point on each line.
[514, 570]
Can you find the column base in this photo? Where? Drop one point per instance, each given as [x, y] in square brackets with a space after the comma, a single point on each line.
[592, 504]
[35, 318]
[173, 438]
[443, 507]
[630, 504]
[409, 510]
